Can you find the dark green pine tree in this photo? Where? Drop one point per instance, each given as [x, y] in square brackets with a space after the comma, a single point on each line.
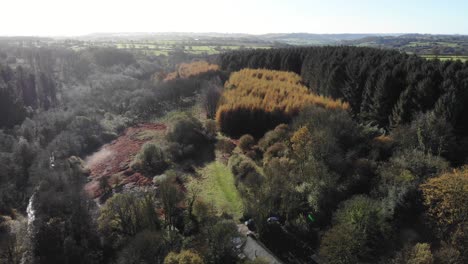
[12, 111]
[387, 91]
[403, 109]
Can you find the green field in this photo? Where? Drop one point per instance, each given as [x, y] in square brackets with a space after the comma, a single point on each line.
[446, 57]
[159, 47]
[425, 43]
[218, 189]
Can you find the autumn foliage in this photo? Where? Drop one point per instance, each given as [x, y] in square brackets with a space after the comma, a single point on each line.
[255, 101]
[186, 70]
[446, 198]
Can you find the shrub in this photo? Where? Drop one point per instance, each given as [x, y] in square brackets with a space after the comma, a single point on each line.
[420, 254]
[152, 159]
[253, 154]
[189, 139]
[419, 163]
[125, 215]
[89, 129]
[246, 142]
[445, 198]
[144, 106]
[362, 212]
[280, 133]
[184, 257]
[178, 89]
[428, 133]
[225, 145]
[341, 245]
[336, 124]
[367, 219]
[277, 150]
[400, 177]
[447, 254]
[211, 128]
[220, 238]
[146, 247]
[188, 131]
[115, 123]
[244, 169]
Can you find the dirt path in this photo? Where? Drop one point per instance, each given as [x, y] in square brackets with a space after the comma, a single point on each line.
[115, 158]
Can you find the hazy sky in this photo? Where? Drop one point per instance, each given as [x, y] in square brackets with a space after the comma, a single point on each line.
[77, 17]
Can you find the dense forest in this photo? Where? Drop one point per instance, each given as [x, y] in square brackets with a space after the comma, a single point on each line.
[58, 106]
[371, 174]
[384, 88]
[295, 155]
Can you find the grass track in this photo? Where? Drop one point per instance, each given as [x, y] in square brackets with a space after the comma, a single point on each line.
[218, 189]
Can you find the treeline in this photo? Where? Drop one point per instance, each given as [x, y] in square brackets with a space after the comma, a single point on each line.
[255, 101]
[37, 79]
[22, 91]
[383, 87]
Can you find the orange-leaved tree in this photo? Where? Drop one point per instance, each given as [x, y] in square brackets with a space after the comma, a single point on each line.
[186, 70]
[256, 100]
[446, 200]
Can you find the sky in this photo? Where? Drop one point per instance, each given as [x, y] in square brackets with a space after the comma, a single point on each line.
[80, 17]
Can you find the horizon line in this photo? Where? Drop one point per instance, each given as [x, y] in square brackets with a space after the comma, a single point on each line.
[224, 33]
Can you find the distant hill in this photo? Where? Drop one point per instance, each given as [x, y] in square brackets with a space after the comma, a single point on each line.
[162, 35]
[422, 44]
[284, 38]
[317, 39]
[444, 47]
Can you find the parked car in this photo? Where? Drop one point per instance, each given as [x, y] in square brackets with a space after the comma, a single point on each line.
[273, 219]
[250, 224]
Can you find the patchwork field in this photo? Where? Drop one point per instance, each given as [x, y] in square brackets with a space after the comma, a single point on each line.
[165, 47]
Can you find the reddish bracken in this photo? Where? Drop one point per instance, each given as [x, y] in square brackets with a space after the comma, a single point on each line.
[115, 158]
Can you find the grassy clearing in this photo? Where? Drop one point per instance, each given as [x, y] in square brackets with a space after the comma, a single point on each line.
[202, 48]
[195, 110]
[418, 44]
[218, 189]
[151, 135]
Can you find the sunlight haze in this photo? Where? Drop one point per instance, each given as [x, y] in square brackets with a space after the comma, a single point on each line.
[233, 132]
[71, 17]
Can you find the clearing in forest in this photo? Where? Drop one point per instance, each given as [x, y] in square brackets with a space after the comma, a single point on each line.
[218, 189]
[112, 161]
